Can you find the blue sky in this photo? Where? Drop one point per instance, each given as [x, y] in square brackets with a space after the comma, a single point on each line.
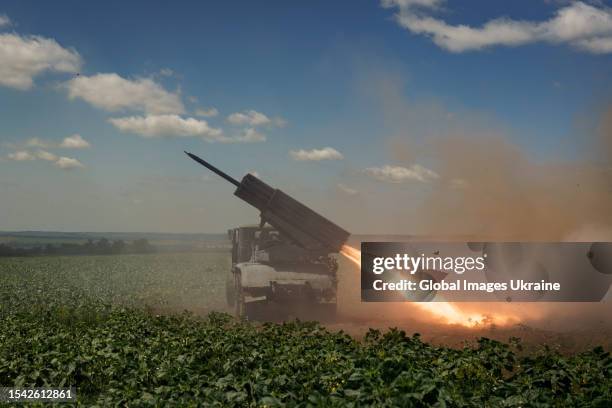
[311, 96]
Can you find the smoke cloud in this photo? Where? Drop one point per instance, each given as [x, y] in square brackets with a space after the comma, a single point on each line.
[491, 188]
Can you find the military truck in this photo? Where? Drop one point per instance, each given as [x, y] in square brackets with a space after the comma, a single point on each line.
[284, 265]
[272, 278]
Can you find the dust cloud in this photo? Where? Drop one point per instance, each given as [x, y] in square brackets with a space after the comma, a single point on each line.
[490, 188]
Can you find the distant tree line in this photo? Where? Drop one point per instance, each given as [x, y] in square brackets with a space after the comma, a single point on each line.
[100, 247]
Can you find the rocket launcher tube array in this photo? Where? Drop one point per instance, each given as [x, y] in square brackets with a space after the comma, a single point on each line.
[304, 226]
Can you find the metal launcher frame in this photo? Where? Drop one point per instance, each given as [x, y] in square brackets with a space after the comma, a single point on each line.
[296, 221]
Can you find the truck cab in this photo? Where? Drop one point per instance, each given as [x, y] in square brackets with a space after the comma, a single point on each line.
[274, 278]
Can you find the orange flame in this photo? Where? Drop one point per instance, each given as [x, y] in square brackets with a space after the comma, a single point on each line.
[354, 255]
[446, 312]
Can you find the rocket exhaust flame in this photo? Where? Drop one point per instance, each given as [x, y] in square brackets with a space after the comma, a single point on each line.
[353, 254]
[445, 312]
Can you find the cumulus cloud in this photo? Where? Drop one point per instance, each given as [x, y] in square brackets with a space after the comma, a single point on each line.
[152, 126]
[253, 118]
[74, 142]
[4, 20]
[578, 24]
[250, 117]
[45, 155]
[68, 163]
[599, 45]
[412, 3]
[326, 153]
[71, 142]
[166, 72]
[346, 189]
[207, 113]
[21, 155]
[112, 92]
[248, 135]
[24, 57]
[398, 174]
[37, 142]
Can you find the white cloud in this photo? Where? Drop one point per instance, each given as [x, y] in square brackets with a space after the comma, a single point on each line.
[326, 153]
[37, 142]
[112, 92]
[411, 3]
[71, 142]
[578, 24]
[253, 118]
[166, 72]
[152, 126]
[250, 117]
[21, 155]
[249, 135]
[68, 163]
[24, 57]
[74, 142]
[207, 113]
[599, 45]
[4, 20]
[398, 174]
[346, 189]
[45, 155]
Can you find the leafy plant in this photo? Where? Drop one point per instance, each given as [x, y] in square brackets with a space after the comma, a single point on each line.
[65, 324]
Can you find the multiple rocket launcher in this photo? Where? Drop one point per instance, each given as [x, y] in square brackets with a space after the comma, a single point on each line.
[293, 219]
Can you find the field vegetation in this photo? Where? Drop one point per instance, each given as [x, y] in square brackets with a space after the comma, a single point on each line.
[95, 323]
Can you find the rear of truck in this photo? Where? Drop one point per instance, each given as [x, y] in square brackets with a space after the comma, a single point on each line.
[274, 279]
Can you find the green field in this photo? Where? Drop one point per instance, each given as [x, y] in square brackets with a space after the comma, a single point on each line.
[166, 282]
[101, 323]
